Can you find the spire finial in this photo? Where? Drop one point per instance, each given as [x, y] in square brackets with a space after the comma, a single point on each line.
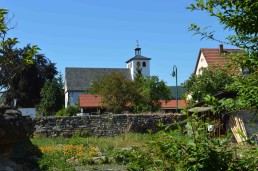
[137, 49]
[137, 41]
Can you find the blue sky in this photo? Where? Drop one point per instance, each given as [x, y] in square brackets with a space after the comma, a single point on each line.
[103, 33]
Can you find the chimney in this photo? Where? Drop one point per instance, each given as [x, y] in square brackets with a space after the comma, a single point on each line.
[221, 48]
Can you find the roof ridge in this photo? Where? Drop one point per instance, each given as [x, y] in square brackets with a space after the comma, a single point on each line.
[91, 68]
[218, 49]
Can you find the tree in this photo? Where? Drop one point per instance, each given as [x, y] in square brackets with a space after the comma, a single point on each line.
[8, 51]
[120, 94]
[138, 73]
[23, 70]
[25, 84]
[116, 91]
[210, 82]
[151, 91]
[241, 17]
[237, 16]
[51, 97]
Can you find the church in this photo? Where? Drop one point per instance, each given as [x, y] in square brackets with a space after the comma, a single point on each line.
[78, 80]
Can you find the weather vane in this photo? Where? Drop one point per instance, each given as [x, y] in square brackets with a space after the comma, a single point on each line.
[137, 41]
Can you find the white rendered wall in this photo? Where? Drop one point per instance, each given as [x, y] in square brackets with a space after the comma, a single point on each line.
[133, 65]
[66, 99]
[202, 63]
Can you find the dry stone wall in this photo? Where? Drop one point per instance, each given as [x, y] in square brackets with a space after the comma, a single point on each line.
[101, 125]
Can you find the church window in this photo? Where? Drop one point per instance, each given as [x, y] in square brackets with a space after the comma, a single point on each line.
[144, 64]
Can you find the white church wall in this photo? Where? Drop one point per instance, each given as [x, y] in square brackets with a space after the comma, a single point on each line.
[145, 69]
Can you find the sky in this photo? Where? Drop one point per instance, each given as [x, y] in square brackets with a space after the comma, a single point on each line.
[103, 33]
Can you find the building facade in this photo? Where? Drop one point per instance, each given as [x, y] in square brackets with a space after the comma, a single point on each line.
[78, 80]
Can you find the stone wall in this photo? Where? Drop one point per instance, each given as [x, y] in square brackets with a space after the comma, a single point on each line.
[101, 125]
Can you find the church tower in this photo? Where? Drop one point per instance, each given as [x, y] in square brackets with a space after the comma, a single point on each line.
[141, 61]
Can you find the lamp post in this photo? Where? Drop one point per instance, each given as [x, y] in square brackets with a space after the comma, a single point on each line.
[174, 74]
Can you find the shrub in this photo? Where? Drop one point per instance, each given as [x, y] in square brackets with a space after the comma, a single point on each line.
[69, 111]
[61, 112]
[189, 148]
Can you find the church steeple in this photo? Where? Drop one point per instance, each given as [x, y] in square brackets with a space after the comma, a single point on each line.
[139, 61]
[137, 49]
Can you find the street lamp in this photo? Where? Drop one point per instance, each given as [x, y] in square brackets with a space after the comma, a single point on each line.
[174, 74]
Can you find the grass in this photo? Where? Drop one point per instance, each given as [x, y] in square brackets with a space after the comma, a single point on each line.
[78, 153]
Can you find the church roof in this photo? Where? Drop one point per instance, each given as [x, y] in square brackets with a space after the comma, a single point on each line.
[138, 57]
[79, 79]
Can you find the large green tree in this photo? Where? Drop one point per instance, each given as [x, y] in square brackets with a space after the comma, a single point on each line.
[241, 18]
[23, 70]
[116, 91]
[8, 51]
[25, 83]
[120, 94]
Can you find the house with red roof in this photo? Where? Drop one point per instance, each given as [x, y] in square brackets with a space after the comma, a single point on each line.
[213, 56]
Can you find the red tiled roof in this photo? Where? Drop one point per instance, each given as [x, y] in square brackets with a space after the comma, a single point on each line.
[92, 100]
[172, 103]
[89, 100]
[213, 56]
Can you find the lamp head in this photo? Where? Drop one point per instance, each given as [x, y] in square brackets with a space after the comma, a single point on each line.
[174, 72]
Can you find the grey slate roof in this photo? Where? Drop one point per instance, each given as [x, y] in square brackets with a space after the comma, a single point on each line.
[138, 57]
[79, 79]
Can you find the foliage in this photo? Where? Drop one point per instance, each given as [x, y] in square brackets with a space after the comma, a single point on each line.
[120, 94]
[8, 52]
[240, 17]
[52, 98]
[116, 91]
[138, 73]
[190, 147]
[150, 91]
[25, 85]
[210, 82]
[61, 112]
[247, 160]
[247, 90]
[71, 153]
[23, 70]
[69, 111]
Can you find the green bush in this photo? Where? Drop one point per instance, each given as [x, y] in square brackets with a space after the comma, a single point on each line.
[69, 111]
[190, 148]
[61, 112]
